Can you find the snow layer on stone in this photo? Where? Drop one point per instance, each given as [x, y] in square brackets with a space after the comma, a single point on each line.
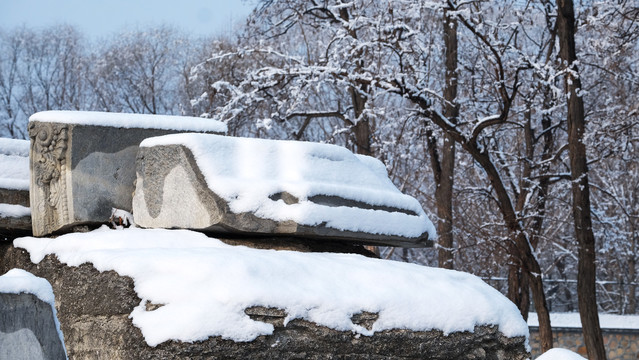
[246, 172]
[126, 120]
[14, 211]
[560, 354]
[572, 320]
[18, 281]
[14, 147]
[205, 285]
[14, 162]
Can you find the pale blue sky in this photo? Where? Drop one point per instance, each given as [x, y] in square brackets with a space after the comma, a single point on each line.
[97, 18]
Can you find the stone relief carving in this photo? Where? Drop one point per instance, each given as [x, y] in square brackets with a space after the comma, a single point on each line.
[48, 161]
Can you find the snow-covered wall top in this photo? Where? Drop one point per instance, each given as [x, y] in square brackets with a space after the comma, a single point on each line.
[126, 120]
[572, 320]
[14, 162]
[18, 281]
[247, 172]
[208, 285]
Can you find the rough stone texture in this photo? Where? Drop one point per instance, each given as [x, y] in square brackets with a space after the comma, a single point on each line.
[93, 309]
[620, 344]
[27, 329]
[171, 192]
[80, 172]
[13, 196]
[12, 227]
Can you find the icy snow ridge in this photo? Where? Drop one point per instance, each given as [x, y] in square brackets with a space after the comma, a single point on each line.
[126, 120]
[205, 285]
[248, 172]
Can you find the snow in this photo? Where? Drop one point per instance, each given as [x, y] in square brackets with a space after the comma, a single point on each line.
[127, 120]
[13, 211]
[205, 285]
[14, 162]
[14, 147]
[246, 172]
[560, 354]
[18, 281]
[572, 320]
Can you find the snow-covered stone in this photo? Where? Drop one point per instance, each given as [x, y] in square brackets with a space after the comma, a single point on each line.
[152, 293]
[14, 177]
[205, 285]
[14, 187]
[29, 327]
[228, 184]
[83, 163]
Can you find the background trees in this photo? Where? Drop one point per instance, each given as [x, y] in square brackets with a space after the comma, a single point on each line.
[404, 81]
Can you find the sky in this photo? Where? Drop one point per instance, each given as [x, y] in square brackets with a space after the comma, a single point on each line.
[101, 18]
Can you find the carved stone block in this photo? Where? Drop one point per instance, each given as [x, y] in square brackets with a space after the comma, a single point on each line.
[222, 184]
[81, 170]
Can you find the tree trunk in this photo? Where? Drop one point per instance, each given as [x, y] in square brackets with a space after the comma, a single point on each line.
[522, 248]
[586, 270]
[444, 180]
[632, 274]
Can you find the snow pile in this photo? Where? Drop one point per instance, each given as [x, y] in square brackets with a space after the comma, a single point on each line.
[560, 354]
[572, 320]
[14, 162]
[18, 281]
[126, 120]
[205, 285]
[248, 172]
[14, 211]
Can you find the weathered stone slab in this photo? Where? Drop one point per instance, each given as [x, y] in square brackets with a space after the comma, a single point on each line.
[15, 216]
[28, 327]
[94, 310]
[14, 176]
[83, 163]
[237, 185]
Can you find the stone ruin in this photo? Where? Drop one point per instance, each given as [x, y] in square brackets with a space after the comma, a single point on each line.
[84, 165]
[15, 215]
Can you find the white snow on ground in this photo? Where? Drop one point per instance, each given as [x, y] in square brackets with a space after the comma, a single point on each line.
[572, 320]
[18, 281]
[205, 285]
[126, 120]
[246, 171]
[13, 211]
[14, 164]
[560, 354]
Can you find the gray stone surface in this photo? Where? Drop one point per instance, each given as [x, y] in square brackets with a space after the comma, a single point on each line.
[27, 329]
[80, 172]
[12, 227]
[171, 192]
[93, 309]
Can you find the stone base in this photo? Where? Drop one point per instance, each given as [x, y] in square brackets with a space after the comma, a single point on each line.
[93, 309]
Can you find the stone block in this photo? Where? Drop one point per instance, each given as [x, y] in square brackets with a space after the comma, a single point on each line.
[83, 163]
[15, 218]
[222, 184]
[29, 328]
